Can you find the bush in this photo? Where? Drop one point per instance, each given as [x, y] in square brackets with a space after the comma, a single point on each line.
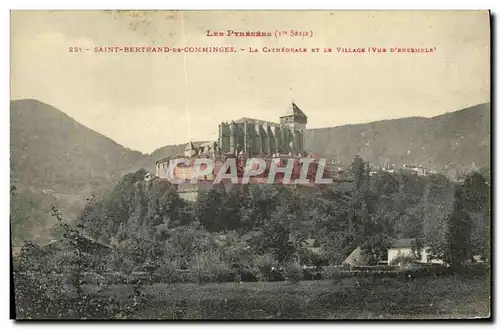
[168, 272]
[331, 273]
[210, 267]
[186, 276]
[264, 267]
[38, 296]
[293, 272]
[243, 272]
[222, 272]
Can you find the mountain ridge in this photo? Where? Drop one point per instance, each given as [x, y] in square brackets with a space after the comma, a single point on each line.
[321, 141]
[42, 134]
[419, 140]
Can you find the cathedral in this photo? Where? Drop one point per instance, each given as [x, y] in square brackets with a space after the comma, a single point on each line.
[242, 138]
[250, 138]
[253, 138]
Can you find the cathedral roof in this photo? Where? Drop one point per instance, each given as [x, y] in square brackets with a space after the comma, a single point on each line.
[251, 120]
[293, 109]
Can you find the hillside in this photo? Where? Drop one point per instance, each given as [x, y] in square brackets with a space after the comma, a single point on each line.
[456, 139]
[51, 151]
[55, 161]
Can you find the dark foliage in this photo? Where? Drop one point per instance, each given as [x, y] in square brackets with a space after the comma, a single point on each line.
[146, 234]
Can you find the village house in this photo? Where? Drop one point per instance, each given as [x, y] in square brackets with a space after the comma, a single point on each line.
[407, 248]
[400, 249]
[414, 169]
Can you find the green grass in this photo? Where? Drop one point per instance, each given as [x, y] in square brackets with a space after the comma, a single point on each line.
[447, 297]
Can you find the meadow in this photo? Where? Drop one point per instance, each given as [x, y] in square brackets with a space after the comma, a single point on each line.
[451, 297]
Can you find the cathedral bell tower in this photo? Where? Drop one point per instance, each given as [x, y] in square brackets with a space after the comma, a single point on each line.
[294, 118]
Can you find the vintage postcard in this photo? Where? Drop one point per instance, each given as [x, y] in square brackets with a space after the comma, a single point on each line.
[181, 165]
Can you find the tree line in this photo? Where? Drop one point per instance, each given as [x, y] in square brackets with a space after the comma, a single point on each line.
[150, 223]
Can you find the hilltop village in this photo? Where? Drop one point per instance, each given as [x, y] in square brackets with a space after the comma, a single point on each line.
[242, 139]
[246, 138]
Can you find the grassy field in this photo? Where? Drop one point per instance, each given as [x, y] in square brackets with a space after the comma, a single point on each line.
[426, 298]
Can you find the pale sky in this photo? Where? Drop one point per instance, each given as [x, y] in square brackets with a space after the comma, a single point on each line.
[148, 100]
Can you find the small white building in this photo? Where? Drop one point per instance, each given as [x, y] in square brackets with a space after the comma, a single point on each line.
[407, 248]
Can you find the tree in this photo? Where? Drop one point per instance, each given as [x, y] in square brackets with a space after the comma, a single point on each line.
[256, 203]
[409, 224]
[216, 210]
[250, 213]
[186, 241]
[437, 204]
[477, 204]
[34, 285]
[476, 193]
[283, 234]
[459, 232]
[161, 204]
[73, 247]
[362, 211]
